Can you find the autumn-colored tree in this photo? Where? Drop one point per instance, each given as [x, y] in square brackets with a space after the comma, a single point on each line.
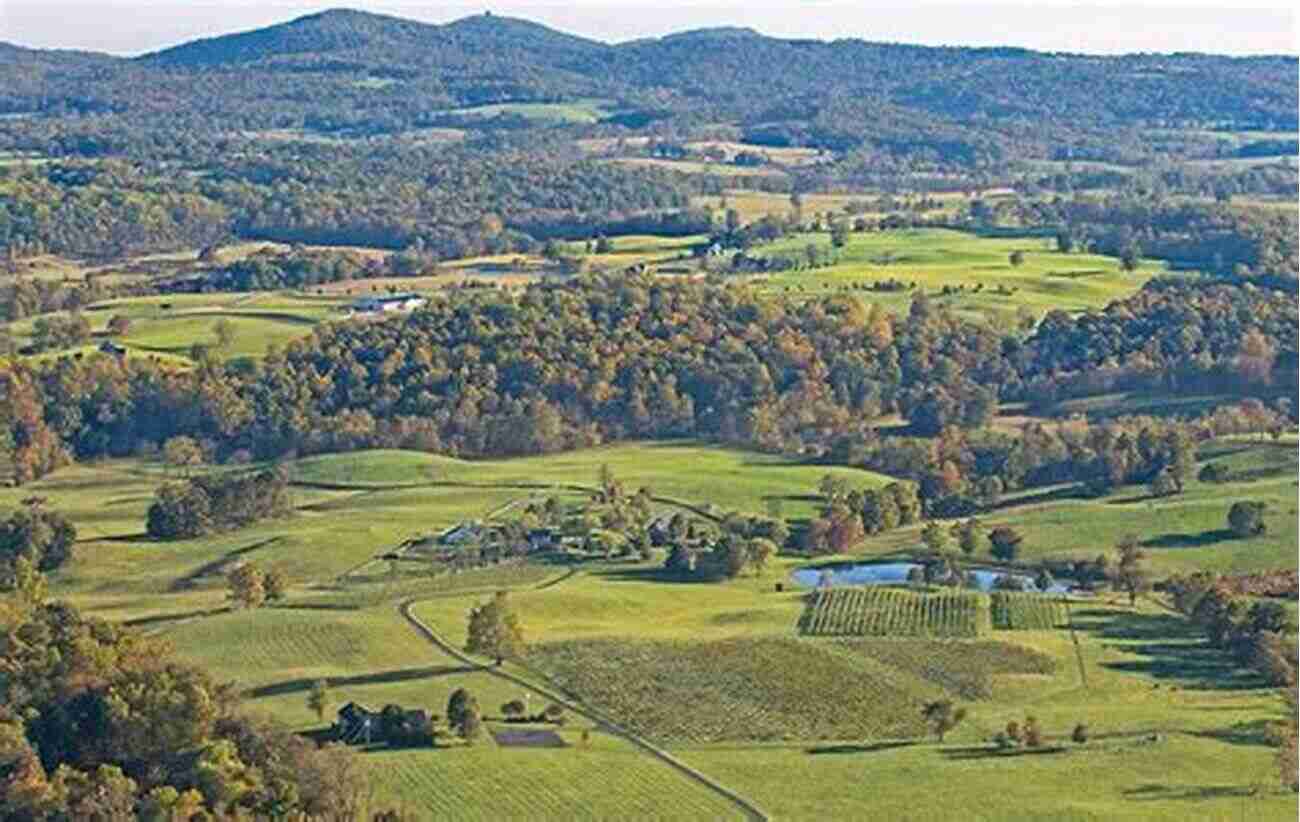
[935, 536]
[275, 583]
[1130, 575]
[246, 584]
[494, 629]
[942, 716]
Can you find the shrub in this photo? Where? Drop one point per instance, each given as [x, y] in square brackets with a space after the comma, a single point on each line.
[1246, 519]
[1005, 543]
[1033, 734]
[1214, 472]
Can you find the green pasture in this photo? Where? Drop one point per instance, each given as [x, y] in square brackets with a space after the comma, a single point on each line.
[705, 475]
[752, 205]
[1161, 706]
[935, 258]
[576, 111]
[807, 727]
[1180, 534]
[170, 325]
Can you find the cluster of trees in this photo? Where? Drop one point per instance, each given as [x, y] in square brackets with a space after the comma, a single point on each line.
[605, 358]
[251, 587]
[850, 515]
[725, 557]
[41, 536]
[1255, 632]
[959, 472]
[22, 297]
[97, 722]
[449, 202]
[1254, 243]
[217, 502]
[1172, 336]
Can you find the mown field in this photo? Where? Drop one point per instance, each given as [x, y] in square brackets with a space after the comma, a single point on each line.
[169, 326]
[1180, 534]
[938, 258]
[752, 205]
[717, 672]
[705, 475]
[799, 725]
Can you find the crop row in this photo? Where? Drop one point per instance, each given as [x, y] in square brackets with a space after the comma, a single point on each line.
[879, 611]
[752, 689]
[1025, 612]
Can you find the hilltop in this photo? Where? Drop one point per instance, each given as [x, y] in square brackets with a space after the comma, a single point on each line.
[381, 73]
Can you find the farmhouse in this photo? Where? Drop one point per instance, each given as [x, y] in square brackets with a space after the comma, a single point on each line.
[396, 303]
[462, 533]
[358, 725]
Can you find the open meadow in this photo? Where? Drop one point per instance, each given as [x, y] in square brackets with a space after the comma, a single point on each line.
[794, 702]
[977, 271]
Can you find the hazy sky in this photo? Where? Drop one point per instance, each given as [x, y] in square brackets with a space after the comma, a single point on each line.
[134, 26]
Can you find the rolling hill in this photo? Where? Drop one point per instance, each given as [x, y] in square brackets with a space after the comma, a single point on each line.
[345, 68]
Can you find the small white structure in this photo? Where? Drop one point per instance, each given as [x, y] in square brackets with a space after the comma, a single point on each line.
[395, 303]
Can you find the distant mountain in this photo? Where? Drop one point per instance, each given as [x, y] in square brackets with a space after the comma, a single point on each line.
[371, 73]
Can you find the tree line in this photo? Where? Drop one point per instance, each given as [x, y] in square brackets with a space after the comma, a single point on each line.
[606, 358]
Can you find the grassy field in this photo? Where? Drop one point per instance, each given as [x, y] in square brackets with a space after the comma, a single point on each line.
[1180, 534]
[577, 111]
[716, 671]
[752, 205]
[935, 258]
[707, 475]
[172, 324]
[710, 669]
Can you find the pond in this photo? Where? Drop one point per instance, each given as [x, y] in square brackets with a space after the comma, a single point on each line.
[895, 573]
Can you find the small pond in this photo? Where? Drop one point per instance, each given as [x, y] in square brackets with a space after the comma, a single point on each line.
[895, 573]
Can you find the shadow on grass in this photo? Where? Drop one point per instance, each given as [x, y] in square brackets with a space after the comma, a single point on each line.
[317, 606]
[158, 619]
[986, 752]
[378, 678]
[857, 749]
[1189, 540]
[217, 565]
[1152, 791]
[1241, 733]
[660, 575]
[1167, 648]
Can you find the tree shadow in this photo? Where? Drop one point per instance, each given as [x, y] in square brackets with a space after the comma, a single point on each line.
[378, 678]
[1152, 791]
[660, 575]
[317, 606]
[210, 568]
[1168, 648]
[158, 619]
[1241, 733]
[1189, 540]
[988, 752]
[857, 749]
